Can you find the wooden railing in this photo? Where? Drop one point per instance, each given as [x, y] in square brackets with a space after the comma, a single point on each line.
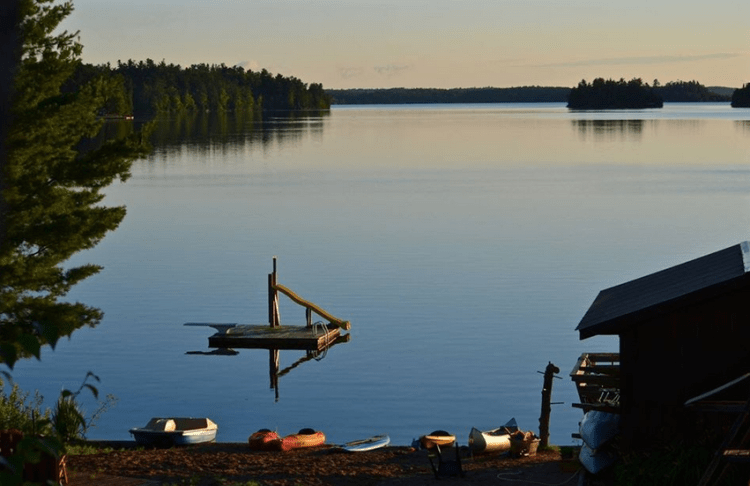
[273, 304]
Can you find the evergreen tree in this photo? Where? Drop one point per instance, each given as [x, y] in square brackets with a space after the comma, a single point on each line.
[741, 97]
[51, 187]
[612, 95]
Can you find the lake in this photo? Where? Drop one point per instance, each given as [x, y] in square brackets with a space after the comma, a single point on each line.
[463, 242]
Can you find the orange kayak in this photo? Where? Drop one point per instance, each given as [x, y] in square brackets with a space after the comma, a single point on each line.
[439, 437]
[304, 438]
[263, 440]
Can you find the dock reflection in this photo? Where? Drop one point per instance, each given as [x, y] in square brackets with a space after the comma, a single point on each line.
[274, 359]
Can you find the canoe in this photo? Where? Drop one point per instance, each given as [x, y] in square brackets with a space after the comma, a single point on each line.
[596, 461]
[369, 444]
[438, 437]
[304, 438]
[175, 431]
[495, 440]
[262, 440]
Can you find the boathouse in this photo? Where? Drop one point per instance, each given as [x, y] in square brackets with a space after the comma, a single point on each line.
[682, 332]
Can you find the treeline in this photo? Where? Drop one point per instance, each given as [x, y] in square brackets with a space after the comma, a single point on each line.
[526, 94]
[741, 97]
[150, 88]
[687, 91]
[674, 91]
[609, 94]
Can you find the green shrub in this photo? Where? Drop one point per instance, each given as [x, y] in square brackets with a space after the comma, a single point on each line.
[668, 465]
[18, 411]
[68, 420]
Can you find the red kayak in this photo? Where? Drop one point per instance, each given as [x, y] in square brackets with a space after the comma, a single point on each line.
[263, 440]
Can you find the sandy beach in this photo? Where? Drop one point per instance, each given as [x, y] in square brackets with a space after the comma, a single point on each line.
[235, 463]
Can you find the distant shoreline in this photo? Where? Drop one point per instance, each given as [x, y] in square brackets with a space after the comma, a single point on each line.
[521, 94]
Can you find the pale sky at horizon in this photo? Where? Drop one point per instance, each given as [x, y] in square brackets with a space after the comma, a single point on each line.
[430, 43]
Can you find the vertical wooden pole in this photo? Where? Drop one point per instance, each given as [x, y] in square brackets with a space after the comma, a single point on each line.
[271, 313]
[273, 368]
[549, 374]
[277, 312]
[273, 299]
[308, 315]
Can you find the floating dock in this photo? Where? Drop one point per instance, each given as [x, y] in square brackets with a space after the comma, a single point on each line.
[311, 337]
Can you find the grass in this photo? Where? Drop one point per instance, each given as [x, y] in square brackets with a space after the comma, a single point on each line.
[85, 449]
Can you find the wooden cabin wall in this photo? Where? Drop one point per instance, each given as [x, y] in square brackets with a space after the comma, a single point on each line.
[677, 356]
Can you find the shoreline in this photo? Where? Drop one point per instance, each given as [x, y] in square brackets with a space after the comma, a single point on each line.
[228, 463]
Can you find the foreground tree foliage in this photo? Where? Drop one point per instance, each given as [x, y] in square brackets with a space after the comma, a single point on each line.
[741, 97]
[610, 94]
[51, 189]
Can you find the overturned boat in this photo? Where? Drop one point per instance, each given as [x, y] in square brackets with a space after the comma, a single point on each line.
[176, 431]
[437, 438]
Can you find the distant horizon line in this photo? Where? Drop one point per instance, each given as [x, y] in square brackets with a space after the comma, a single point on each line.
[516, 87]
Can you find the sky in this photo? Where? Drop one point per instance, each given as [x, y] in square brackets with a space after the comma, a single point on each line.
[430, 43]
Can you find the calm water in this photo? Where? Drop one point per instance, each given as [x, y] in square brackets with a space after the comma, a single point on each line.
[464, 243]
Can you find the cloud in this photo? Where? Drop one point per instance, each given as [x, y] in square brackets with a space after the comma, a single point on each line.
[350, 72]
[391, 69]
[251, 65]
[614, 61]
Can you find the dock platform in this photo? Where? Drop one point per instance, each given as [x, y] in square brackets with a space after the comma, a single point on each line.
[262, 336]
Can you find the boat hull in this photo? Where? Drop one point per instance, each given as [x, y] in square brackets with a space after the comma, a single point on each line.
[437, 438]
[369, 444]
[299, 441]
[263, 440]
[168, 432]
[497, 440]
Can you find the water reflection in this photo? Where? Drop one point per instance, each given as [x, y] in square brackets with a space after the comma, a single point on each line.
[743, 125]
[609, 130]
[206, 131]
[274, 359]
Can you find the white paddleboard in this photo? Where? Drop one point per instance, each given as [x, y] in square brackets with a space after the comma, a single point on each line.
[363, 445]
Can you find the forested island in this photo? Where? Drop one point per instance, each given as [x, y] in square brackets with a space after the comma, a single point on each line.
[741, 97]
[676, 91]
[148, 88]
[690, 91]
[609, 94]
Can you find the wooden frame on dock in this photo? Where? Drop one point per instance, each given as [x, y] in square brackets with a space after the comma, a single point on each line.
[273, 304]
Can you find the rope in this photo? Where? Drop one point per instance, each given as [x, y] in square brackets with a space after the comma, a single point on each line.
[321, 354]
[526, 481]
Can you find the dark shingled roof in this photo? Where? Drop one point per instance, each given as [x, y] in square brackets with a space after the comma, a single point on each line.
[632, 301]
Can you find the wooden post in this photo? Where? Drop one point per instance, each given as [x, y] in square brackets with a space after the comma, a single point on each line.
[271, 299]
[274, 320]
[273, 368]
[308, 315]
[549, 374]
